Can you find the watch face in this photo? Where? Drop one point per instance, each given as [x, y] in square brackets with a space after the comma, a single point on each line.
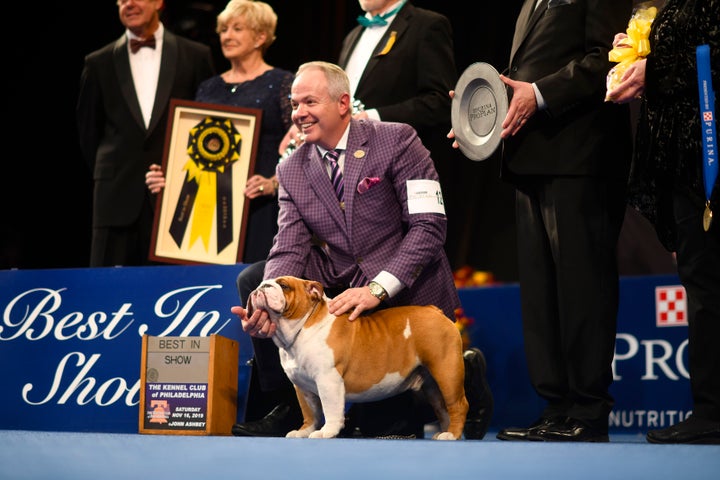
[376, 290]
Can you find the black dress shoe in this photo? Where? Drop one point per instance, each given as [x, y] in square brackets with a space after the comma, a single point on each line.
[478, 394]
[569, 431]
[374, 420]
[528, 434]
[692, 430]
[281, 419]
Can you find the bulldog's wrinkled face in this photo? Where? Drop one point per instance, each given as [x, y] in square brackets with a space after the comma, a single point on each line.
[285, 297]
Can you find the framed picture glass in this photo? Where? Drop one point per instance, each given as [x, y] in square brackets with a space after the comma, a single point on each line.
[201, 214]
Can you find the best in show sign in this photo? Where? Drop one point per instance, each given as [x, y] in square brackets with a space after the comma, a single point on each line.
[71, 341]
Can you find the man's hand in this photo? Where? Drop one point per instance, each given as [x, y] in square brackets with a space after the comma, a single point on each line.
[522, 106]
[451, 133]
[257, 325]
[355, 300]
[155, 179]
[632, 84]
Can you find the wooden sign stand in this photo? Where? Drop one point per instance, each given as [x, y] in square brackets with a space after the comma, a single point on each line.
[188, 385]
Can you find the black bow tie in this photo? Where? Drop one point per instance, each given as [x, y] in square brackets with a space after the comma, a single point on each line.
[136, 44]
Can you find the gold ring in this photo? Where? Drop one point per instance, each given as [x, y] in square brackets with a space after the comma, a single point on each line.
[261, 188]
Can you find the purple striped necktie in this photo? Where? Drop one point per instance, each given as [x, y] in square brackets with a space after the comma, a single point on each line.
[336, 176]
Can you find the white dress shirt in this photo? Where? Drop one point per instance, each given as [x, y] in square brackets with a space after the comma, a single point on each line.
[145, 68]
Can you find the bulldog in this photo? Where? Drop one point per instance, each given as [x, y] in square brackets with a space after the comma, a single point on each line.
[331, 360]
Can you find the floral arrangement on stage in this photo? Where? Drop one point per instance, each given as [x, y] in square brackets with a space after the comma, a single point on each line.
[468, 277]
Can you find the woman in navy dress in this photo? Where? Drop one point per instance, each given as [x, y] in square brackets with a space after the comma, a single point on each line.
[246, 31]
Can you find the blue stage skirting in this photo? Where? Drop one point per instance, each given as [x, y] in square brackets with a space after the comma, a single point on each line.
[70, 344]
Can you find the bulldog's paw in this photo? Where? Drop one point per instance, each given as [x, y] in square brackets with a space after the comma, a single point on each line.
[302, 433]
[327, 431]
[444, 436]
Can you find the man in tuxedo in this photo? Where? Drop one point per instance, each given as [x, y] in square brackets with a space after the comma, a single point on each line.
[567, 153]
[376, 242]
[401, 63]
[122, 112]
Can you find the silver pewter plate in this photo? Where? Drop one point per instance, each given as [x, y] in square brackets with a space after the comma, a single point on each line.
[478, 110]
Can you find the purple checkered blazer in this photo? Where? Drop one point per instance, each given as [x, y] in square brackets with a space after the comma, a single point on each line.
[317, 240]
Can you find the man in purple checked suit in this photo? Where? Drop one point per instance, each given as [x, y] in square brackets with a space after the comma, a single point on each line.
[388, 227]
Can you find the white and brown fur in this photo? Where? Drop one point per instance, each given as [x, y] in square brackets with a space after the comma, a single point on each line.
[331, 360]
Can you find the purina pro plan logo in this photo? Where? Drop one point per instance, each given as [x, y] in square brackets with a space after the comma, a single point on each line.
[670, 306]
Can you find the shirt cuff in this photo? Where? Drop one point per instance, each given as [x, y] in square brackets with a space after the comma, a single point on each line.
[538, 97]
[389, 282]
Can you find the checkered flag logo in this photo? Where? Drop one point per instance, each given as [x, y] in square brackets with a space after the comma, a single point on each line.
[707, 116]
[670, 306]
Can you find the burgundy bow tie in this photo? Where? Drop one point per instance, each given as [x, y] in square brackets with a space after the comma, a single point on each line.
[136, 44]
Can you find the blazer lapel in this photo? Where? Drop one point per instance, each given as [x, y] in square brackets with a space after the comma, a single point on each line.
[527, 18]
[168, 69]
[353, 38]
[355, 155]
[319, 181]
[124, 75]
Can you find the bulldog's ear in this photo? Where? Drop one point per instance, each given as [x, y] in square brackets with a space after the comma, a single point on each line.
[315, 290]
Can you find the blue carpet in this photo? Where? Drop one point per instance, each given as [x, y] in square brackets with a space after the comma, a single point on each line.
[80, 456]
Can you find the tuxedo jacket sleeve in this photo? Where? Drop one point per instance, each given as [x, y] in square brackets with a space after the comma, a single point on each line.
[317, 240]
[410, 82]
[112, 134]
[563, 48]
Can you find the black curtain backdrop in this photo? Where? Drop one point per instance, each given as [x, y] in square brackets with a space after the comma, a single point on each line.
[46, 194]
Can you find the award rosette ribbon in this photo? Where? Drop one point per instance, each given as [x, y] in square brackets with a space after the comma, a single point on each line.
[213, 146]
[634, 47]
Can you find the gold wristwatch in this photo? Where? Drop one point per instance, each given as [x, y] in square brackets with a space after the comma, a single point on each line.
[377, 291]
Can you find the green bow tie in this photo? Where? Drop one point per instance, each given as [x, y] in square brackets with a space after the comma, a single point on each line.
[378, 20]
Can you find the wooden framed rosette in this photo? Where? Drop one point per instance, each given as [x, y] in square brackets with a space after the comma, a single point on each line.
[201, 214]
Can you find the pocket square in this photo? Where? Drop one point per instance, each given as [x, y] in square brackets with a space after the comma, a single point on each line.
[366, 183]
[558, 3]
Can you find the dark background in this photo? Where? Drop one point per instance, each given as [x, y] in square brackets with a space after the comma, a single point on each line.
[46, 186]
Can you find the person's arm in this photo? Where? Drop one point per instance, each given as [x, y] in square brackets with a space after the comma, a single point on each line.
[582, 78]
[417, 188]
[291, 246]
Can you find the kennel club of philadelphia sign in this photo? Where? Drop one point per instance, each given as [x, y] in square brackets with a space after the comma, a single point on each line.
[71, 341]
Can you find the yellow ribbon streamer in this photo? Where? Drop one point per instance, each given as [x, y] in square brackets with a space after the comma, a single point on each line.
[204, 206]
[633, 48]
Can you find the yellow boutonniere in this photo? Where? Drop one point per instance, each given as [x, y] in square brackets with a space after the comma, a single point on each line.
[389, 44]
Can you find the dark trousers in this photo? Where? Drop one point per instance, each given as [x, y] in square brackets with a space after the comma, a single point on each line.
[567, 230]
[698, 260]
[127, 245]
